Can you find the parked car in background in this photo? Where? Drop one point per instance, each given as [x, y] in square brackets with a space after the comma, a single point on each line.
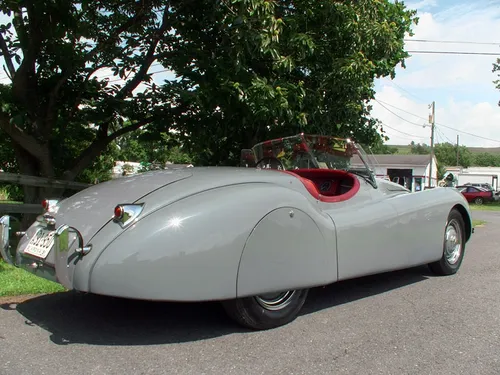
[477, 195]
[481, 185]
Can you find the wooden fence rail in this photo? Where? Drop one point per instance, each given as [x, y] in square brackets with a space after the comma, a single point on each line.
[25, 180]
[19, 179]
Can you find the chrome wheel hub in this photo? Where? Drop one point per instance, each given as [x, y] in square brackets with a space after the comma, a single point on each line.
[275, 301]
[453, 242]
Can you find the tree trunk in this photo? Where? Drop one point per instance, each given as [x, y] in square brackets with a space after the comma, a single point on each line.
[30, 166]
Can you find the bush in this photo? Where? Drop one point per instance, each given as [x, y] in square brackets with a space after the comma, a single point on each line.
[4, 194]
[9, 192]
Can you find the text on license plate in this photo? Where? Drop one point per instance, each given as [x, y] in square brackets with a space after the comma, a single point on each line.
[40, 244]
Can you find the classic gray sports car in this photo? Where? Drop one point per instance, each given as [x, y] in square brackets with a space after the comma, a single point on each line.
[303, 211]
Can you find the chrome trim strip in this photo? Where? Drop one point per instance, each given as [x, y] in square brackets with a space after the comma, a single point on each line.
[63, 230]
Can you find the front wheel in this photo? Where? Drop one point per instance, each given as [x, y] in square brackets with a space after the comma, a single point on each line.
[268, 310]
[478, 200]
[453, 246]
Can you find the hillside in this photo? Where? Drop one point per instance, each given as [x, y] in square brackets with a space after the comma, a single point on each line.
[405, 149]
[490, 150]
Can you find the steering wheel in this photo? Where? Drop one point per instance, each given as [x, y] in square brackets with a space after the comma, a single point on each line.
[270, 163]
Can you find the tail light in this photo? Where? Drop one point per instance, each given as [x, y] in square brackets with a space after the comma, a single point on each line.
[119, 211]
[125, 214]
[49, 204]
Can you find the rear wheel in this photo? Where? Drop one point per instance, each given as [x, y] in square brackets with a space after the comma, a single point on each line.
[268, 310]
[453, 246]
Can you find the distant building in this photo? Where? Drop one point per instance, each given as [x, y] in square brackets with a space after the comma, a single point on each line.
[475, 175]
[411, 171]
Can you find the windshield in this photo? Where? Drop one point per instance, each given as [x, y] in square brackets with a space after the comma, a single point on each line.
[309, 151]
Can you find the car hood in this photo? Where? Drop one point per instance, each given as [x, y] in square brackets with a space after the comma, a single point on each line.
[90, 209]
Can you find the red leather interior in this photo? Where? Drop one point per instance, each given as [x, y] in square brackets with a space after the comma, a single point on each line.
[313, 179]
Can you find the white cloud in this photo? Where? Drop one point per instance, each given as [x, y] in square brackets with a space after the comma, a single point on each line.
[462, 85]
[422, 4]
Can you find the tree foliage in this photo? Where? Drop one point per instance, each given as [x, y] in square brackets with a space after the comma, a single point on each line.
[150, 147]
[496, 68]
[58, 115]
[313, 72]
[419, 149]
[486, 159]
[446, 154]
[379, 147]
[246, 70]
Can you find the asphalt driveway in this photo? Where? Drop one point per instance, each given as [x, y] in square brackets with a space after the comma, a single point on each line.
[406, 322]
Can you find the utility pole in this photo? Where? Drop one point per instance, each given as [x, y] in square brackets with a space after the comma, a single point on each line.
[432, 121]
[458, 152]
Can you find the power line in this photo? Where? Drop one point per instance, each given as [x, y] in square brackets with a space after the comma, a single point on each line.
[438, 136]
[395, 114]
[446, 126]
[403, 89]
[399, 131]
[452, 42]
[472, 135]
[403, 110]
[443, 136]
[457, 53]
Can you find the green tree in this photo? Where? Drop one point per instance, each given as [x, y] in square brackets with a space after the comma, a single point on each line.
[318, 77]
[446, 154]
[486, 159]
[151, 147]
[419, 149]
[58, 115]
[379, 147]
[496, 68]
[246, 69]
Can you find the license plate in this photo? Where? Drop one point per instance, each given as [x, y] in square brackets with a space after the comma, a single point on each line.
[40, 244]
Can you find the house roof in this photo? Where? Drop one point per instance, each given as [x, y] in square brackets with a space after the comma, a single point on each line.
[399, 160]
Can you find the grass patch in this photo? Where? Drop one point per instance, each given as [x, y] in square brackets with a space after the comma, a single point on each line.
[476, 223]
[4, 194]
[494, 206]
[15, 282]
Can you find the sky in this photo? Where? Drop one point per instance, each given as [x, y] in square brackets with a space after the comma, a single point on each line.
[461, 86]
[466, 100]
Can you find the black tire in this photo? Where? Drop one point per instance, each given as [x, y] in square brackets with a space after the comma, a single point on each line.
[451, 260]
[258, 314]
[478, 200]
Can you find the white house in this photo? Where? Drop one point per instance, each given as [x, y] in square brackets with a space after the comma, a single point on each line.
[411, 171]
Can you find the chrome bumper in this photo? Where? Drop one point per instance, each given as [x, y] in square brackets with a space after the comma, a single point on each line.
[63, 255]
[7, 242]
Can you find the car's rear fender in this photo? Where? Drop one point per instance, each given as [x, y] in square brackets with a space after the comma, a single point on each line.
[290, 248]
[190, 250]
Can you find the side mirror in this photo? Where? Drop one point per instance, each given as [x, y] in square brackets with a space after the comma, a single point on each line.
[247, 159]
